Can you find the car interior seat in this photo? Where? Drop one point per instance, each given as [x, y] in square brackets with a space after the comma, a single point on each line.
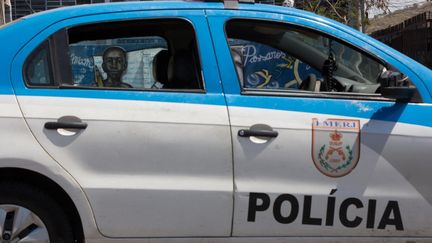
[160, 67]
[182, 71]
[311, 83]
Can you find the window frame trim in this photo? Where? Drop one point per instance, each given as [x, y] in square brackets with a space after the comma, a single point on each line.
[188, 91]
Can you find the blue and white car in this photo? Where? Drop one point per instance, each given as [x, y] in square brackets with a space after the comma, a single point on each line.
[209, 122]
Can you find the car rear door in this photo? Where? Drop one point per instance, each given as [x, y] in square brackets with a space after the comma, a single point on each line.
[308, 163]
[152, 155]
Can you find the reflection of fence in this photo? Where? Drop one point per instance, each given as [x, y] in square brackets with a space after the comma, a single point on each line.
[22, 8]
[412, 37]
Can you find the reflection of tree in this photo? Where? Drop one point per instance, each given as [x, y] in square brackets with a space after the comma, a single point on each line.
[344, 10]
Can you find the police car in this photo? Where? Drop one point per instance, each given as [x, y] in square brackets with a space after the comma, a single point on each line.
[209, 122]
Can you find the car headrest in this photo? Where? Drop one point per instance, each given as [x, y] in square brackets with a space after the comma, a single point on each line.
[182, 71]
[160, 66]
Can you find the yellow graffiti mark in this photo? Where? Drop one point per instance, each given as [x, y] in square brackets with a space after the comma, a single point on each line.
[296, 72]
[288, 64]
[266, 75]
[98, 77]
[297, 80]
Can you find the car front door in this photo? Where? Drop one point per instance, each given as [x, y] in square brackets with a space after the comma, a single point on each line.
[119, 101]
[313, 157]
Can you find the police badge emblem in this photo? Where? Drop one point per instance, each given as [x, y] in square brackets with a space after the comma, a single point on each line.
[335, 146]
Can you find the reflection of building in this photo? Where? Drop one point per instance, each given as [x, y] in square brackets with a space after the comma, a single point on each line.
[21, 8]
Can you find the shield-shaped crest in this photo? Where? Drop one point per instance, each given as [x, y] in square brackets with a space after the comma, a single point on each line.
[335, 146]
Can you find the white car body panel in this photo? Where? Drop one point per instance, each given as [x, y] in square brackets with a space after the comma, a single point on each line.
[283, 165]
[20, 150]
[141, 163]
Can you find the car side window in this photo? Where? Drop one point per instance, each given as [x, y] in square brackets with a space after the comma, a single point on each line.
[38, 68]
[119, 62]
[276, 56]
[132, 55]
[265, 67]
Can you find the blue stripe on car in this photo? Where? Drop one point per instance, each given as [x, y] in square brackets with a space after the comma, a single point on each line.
[375, 110]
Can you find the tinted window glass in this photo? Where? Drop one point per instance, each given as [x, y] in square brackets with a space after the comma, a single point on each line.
[146, 54]
[38, 68]
[276, 56]
[263, 66]
[350, 63]
[128, 61]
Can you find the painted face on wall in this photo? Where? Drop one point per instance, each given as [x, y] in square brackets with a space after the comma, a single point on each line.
[114, 62]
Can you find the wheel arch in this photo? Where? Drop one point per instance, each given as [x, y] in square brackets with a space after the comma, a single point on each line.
[36, 179]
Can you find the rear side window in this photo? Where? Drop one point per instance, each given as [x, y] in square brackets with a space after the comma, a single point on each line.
[132, 55]
[38, 69]
[118, 62]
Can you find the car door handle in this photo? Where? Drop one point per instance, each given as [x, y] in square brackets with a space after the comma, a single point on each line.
[65, 125]
[257, 133]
